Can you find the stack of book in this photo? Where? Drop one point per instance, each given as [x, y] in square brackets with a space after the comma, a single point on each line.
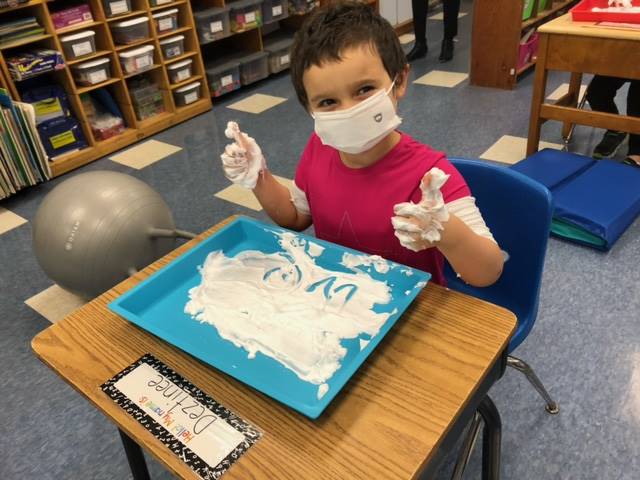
[23, 161]
[13, 30]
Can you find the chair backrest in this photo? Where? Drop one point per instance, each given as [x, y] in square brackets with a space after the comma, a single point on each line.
[518, 211]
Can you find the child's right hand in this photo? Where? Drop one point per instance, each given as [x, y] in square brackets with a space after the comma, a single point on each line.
[242, 160]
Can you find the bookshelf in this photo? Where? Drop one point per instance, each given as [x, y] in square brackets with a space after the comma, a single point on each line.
[251, 40]
[118, 83]
[497, 30]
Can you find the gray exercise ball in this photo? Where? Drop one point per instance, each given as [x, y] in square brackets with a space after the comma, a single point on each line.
[94, 229]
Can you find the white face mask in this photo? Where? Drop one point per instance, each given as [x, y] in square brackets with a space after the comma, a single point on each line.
[361, 127]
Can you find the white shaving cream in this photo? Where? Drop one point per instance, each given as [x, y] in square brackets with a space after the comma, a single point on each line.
[285, 306]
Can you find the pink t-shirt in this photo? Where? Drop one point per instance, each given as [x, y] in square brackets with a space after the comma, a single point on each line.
[353, 206]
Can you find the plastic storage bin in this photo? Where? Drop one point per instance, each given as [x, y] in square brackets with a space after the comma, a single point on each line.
[279, 54]
[146, 98]
[130, 30]
[223, 77]
[300, 7]
[90, 73]
[180, 71]
[137, 59]
[187, 95]
[212, 24]
[274, 10]
[116, 7]
[159, 3]
[166, 20]
[245, 15]
[172, 46]
[583, 12]
[254, 67]
[79, 44]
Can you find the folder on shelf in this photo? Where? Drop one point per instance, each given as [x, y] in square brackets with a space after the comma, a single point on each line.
[595, 200]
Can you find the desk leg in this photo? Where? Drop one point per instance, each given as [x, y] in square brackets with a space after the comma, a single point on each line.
[539, 87]
[574, 91]
[135, 457]
[491, 438]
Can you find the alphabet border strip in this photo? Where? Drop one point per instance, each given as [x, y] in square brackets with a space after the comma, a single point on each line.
[204, 470]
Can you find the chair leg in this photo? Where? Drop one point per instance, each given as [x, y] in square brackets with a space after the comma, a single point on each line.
[467, 447]
[521, 366]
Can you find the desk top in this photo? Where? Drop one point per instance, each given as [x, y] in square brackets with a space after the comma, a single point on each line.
[563, 25]
[386, 423]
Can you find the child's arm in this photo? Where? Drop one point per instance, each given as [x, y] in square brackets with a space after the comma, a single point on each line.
[476, 258]
[244, 165]
[276, 200]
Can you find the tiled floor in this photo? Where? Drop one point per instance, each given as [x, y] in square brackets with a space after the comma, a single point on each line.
[585, 344]
[144, 154]
[245, 197]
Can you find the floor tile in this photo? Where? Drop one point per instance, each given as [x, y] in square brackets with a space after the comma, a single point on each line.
[440, 16]
[439, 78]
[55, 303]
[9, 220]
[562, 89]
[144, 154]
[512, 149]
[245, 197]
[257, 103]
[406, 38]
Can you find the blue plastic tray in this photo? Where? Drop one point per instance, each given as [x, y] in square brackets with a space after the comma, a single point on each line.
[157, 305]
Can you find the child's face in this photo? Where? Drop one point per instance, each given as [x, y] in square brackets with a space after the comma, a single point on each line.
[340, 85]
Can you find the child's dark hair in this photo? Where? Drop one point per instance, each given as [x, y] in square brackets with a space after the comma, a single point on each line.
[339, 25]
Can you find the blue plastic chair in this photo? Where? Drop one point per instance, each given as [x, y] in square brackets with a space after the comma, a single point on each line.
[518, 211]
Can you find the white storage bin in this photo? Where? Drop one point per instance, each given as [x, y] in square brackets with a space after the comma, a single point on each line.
[187, 94]
[90, 73]
[130, 31]
[79, 44]
[172, 46]
[166, 20]
[116, 7]
[137, 59]
[180, 71]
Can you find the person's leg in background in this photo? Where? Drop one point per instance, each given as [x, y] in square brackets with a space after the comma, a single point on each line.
[633, 110]
[601, 93]
[419, 9]
[451, 9]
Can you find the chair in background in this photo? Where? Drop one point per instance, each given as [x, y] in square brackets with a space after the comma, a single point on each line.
[518, 211]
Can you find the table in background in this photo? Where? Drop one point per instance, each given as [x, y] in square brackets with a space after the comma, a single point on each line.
[581, 47]
[395, 418]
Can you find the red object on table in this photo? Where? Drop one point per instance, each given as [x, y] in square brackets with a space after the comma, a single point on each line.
[582, 12]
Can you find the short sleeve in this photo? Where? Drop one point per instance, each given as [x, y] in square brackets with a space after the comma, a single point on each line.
[302, 176]
[454, 188]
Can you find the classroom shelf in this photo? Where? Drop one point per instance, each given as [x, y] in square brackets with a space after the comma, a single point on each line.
[118, 84]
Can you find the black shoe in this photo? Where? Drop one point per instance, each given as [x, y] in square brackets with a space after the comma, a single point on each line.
[446, 53]
[419, 50]
[609, 144]
[631, 161]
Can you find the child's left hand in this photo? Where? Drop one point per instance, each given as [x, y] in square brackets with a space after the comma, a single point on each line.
[418, 225]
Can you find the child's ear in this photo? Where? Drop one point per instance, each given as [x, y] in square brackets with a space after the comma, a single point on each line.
[401, 82]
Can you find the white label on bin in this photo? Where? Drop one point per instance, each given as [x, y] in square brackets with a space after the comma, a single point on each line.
[249, 17]
[190, 97]
[284, 59]
[118, 7]
[183, 74]
[226, 80]
[83, 48]
[165, 24]
[216, 27]
[275, 11]
[143, 62]
[97, 76]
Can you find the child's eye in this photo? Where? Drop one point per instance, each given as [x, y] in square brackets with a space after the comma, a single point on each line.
[327, 102]
[364, 90]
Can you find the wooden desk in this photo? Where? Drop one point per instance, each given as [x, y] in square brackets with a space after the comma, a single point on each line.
[419, 388]
[581, 47]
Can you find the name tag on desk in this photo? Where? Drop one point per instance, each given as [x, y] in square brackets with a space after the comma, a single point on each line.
[201, 432]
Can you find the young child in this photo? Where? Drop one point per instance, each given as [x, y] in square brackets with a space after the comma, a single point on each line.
[360, 182]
